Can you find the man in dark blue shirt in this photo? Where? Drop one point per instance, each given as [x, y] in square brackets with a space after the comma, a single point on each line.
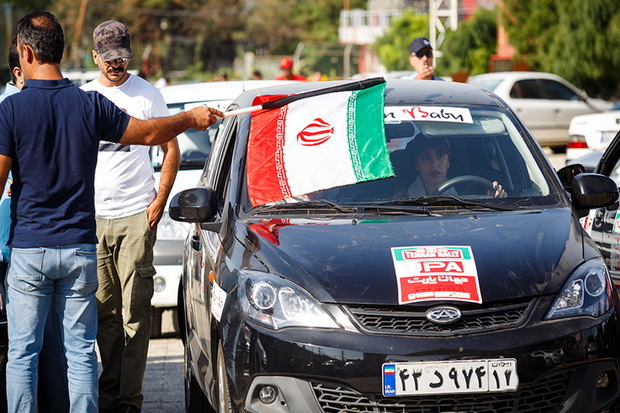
[51, 148]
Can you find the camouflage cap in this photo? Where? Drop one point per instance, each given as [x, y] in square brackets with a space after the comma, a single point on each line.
[112, 40]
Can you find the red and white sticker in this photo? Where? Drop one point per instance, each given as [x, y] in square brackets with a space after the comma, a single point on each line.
[218, 300]
[436, 273]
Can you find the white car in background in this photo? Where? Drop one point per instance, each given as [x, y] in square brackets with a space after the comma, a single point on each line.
[544, 101]
[592, 133]
[195, 146]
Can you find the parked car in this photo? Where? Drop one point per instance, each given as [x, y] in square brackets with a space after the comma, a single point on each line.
[195, 146]
[590, 133]
[603, 224]
[544, 101]
[360, 298]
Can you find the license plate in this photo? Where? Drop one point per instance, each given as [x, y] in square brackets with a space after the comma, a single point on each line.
[449, 377]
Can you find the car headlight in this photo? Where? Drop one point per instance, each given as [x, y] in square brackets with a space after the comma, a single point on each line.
[168, 229]
[277, 303]
[588, 291]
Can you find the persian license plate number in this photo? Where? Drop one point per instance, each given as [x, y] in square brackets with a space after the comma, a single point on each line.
[467, 376]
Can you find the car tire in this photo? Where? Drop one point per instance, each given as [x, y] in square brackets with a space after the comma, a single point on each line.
[156, 315]
[195, 399]
[181, 323]
[223, 393]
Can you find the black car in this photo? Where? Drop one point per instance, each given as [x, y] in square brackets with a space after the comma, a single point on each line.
[603, 224]
[367, 298]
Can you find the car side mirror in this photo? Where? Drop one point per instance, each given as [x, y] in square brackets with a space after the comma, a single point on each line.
[568, 173]
[195, 205]
[591, 190]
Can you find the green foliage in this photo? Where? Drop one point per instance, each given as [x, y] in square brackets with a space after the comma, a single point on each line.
[469, 48]
[578, 40]
[393, 47]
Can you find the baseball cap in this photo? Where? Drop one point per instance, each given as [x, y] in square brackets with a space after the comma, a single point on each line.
[112, 40]
[286, 63]
[418, 44]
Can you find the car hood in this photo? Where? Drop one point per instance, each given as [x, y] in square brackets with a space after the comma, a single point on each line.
[516, 254]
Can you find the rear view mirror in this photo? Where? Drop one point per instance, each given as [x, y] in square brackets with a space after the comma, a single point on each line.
[568, 173]
[590, 190]
[193, 205]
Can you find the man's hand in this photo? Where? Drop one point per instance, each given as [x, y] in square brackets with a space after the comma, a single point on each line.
[205, 116]
[154, 212]
[426, 73]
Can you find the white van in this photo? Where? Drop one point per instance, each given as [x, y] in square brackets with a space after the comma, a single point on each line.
[195, 146]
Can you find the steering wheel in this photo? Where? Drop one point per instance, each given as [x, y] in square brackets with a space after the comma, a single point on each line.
[471, 179]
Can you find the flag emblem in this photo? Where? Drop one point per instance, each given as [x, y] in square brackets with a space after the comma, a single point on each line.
[316, 133]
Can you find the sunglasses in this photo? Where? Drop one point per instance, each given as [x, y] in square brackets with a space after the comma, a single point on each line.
[119, 61]
[422, 53]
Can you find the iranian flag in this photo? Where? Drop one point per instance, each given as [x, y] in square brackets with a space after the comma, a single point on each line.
[315, 143]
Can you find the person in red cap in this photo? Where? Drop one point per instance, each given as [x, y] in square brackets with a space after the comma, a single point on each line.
[286, 70]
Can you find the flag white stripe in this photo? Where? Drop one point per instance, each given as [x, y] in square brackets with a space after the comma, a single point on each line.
[330, 160]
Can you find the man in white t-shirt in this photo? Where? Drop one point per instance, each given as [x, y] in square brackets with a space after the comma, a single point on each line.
[128, 208]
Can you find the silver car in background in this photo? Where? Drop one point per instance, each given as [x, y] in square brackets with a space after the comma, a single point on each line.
[544, 101]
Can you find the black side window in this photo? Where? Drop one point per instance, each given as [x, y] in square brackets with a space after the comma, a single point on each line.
[217, 164]
[526, 89]
[557, 91]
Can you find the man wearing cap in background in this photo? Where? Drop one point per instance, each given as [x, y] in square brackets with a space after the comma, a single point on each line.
[128, 209]
[421, 58]
[286, 70]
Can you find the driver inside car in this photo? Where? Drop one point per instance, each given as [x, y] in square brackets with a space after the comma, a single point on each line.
[432, 161]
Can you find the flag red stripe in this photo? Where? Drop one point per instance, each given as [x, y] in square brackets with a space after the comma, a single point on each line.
[264, 178]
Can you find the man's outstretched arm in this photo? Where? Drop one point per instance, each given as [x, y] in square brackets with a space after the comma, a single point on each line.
[156, 131]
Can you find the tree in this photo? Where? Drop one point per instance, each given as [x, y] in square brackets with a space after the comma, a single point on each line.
[469, 48]
[171, 34]
[578, 40]
[393, 47]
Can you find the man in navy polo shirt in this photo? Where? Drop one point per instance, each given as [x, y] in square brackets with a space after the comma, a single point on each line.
[49, 138]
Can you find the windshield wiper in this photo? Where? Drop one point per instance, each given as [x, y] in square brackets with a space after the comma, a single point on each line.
[446, 200]
[345, 209]
[300, 203]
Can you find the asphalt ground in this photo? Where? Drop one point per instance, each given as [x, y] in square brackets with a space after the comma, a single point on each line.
[163, 381]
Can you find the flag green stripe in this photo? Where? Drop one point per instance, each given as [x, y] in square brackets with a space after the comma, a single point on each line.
[366, 133]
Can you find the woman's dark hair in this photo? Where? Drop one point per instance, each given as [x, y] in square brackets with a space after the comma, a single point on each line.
[41, 31]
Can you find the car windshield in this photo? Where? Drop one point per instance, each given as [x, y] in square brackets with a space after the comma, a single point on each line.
[194, 144]
[441, 162]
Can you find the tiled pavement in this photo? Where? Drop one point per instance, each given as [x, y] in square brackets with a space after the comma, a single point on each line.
[163, 379]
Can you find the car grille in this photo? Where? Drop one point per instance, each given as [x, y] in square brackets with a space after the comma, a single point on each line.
[413, 321]
[545, 395]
